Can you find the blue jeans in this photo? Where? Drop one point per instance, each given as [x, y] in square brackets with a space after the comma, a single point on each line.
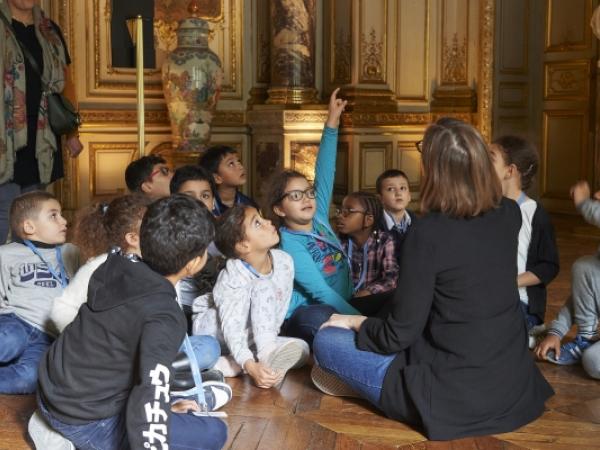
[186, 432]
[21, 349]
[206, 349]
[305, 321]
[531, 319]
[335, 351]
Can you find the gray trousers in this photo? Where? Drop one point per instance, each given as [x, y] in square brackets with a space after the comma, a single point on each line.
[8, 192]
[591, 361]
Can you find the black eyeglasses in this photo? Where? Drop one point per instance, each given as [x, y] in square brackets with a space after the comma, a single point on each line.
[419, 145]
[345, 212]
[297, 195]
[162, 169]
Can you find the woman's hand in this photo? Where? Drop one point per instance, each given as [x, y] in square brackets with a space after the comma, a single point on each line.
[74, 145]
[550, 342]
[263, 376]
[344, 321]
[336, 108]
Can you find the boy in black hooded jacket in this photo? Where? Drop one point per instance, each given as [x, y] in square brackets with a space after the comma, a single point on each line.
[105, 381]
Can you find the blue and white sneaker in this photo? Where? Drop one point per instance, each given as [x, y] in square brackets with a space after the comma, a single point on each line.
[217, 394]
[571, 352]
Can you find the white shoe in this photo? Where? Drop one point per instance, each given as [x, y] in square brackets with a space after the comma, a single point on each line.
[329, 384]
[291, 354]
[535, 335]
[228, 366]
[44, 437]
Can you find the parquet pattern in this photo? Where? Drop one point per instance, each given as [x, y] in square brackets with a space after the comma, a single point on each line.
[298, 417]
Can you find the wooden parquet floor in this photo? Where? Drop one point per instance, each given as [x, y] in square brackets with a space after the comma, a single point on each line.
[297, 416]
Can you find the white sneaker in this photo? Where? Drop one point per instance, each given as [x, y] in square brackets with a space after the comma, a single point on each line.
[329, 384]
[535, 335]
[291, 354]
[217, 394]
[228, 366]
[44, 437]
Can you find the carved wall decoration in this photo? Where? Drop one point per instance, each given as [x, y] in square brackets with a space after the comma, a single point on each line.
[267, 160]
[371, 56]
[304, 157]
[564, 30]
[454, 61]
[486, 68]
[567, 80]
[343, 58]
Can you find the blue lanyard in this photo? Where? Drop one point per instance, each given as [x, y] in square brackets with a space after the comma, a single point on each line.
[199, 389]
[62, 275]
[363, 269]
[521, 198]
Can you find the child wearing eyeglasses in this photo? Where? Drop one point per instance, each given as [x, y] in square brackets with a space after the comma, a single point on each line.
[250, 300]
[149, 175]
[371, 251]
[322, 281]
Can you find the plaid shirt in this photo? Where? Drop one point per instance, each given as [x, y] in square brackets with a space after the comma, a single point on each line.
[382, 265]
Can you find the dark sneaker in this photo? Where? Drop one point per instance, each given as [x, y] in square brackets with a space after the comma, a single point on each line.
[329, 384]
[571, 352]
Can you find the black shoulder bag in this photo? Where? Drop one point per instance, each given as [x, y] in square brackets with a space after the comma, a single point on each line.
[62, 115]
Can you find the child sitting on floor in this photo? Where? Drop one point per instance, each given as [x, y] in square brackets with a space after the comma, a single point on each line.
[33, 271]
[370, 250]
[105, 382]
[322, 282]
[583, 307]
[224, 164]
[250, 300]
[516, 163]
[393, 190]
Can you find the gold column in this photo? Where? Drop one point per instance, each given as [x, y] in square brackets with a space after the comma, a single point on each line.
[136, 30]
[292, 52]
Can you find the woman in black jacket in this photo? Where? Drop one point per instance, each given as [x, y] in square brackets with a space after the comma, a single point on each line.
[451, 356]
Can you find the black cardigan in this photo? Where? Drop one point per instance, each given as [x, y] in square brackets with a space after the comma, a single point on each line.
[463, 367]
[542, 260]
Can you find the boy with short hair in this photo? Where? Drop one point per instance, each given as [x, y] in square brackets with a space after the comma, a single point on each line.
[250, 300]
[105, 382]
[149, 175]
[583, 306]
[393, 189]
[33, 271]
[196, 182]
[224, 164]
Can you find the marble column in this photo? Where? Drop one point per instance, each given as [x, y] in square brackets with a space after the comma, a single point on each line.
[293, 27]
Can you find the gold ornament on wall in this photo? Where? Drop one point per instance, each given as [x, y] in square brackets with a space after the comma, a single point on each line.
[343, 58]
[371, 55]
[454, 61]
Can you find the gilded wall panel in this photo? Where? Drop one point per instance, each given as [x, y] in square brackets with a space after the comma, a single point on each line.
[375, 157]
[567, 25]
[455, 38]
[107, 166]
[563, 132]
[513, 94]
[567, 80]
[372, 64]
[409, 161]
[412, 61]
[340, 45]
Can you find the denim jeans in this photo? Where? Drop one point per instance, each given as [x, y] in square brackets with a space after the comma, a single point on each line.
[335, 351]
[531, 319]
[21, 349]
[305, 321]
[186, 432]
[206, 349]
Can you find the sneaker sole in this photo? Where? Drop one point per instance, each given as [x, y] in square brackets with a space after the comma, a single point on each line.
[45, 438]
[222, 392]
[330, 384]
[289, 356]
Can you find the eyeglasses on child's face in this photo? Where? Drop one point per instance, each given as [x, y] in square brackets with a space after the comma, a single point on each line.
[296, 195]
[162, 169]
[345, 212]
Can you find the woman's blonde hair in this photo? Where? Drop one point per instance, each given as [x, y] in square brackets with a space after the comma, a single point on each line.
[459, 179]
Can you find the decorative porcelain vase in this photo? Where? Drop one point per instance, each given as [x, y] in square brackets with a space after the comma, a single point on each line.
[192, 77]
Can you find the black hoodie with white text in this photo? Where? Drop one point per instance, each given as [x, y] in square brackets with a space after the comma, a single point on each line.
[116, 356]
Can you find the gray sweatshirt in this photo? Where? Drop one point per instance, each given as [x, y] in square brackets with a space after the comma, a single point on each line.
[27, 288]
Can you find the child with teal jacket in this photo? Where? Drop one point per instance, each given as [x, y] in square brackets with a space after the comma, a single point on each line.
[322, 283]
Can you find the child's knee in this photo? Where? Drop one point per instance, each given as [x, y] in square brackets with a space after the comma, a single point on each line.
[217, 436]
[584, 266]
[591, 361]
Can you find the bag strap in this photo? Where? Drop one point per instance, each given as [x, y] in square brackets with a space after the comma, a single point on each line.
[32, 62]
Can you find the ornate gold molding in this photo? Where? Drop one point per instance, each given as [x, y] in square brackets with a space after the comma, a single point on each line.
[373, 119]
[371, 50]
[342, 73]
[454, 61]
[154, 117]
[486, 69]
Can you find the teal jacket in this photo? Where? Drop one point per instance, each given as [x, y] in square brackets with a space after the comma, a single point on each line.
[322, 275]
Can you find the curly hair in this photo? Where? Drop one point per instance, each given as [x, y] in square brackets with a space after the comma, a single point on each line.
[101, 226]
[372, 206]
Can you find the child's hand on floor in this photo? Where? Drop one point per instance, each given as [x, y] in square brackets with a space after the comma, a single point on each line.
[184, 406]
[263, 376]
[336, 108]
[581, 192]
[550, 342]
